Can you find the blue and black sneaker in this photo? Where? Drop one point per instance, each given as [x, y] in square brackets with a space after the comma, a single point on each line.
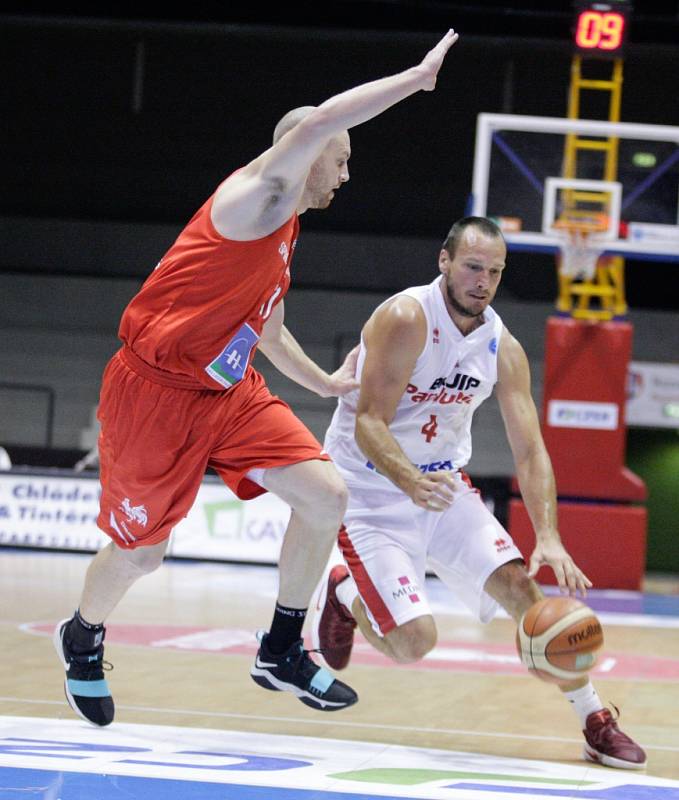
[294, 671]
[85, 687]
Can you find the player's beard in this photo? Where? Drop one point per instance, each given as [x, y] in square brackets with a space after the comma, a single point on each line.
[464, 311]
[323, 200]
[317, 189]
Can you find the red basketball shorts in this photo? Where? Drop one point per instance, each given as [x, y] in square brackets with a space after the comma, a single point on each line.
[157, 440]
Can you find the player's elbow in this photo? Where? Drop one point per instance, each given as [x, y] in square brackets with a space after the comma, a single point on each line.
[531, 455]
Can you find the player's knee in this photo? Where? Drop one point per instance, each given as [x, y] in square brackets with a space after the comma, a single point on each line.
[513, 588]
[411, 642]
[411, 650]
[145, 560]
[329, 501]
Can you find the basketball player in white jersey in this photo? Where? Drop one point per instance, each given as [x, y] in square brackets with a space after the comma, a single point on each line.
[428, 358]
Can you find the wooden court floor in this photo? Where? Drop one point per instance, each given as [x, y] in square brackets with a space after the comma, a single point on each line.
[182, 642]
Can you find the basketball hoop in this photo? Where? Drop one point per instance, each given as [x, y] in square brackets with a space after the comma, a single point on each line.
[581, 243]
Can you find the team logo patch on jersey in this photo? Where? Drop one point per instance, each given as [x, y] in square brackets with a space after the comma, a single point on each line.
[230, 365]
[492, 345]
[283, 250]
[436, 333]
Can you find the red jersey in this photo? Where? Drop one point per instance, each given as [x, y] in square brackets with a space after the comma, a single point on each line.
[201, 311]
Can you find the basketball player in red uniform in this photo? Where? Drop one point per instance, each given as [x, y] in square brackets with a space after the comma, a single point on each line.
[181, 395]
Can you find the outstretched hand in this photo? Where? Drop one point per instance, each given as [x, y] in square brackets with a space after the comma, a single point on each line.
[431, 64]
[569, 576]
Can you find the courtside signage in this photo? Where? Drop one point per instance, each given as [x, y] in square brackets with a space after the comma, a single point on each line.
[60, 512]
[49, 511]
[579, 414]
[653, 394]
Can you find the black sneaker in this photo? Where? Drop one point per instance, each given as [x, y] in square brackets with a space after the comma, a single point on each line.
[85, 687]
[294, 671]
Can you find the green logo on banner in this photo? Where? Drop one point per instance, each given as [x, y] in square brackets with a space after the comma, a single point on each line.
[224, 519]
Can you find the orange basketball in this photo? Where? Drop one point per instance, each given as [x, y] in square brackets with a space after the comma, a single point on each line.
[557, 639]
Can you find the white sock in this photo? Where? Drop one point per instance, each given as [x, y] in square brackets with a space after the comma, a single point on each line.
[584, 702]
[347, 592]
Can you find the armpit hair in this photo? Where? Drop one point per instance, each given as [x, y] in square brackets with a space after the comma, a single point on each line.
[276, 189]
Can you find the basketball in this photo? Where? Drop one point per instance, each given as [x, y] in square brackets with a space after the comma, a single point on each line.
[557, 639]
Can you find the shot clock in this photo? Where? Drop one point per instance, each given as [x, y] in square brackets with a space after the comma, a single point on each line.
[600, 29]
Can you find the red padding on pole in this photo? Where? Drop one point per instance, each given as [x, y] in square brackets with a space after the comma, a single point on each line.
[607, 541]
[583, 410]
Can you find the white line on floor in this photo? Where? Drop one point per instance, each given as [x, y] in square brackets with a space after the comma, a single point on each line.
[336, 723]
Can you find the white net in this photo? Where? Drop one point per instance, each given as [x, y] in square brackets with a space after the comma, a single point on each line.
[580, 253]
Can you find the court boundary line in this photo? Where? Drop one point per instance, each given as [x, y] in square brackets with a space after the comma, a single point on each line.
[337, 723]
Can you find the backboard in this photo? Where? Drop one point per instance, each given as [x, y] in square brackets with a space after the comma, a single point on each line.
[518, 181]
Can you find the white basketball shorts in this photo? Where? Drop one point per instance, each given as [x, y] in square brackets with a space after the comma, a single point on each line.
[389, 542]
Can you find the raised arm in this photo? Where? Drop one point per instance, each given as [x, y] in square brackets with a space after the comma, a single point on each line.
[258, 199]
[394, 338]
[533, 466]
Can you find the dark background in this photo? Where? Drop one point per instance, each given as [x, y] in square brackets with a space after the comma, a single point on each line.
[118, 121]
[128, 116]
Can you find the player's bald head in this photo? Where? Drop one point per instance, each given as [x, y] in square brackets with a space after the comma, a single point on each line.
[291, 119]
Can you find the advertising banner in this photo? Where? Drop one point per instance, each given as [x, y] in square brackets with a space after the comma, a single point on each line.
[57, 510]
[653, 395]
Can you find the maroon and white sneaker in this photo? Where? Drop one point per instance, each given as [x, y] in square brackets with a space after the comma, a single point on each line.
[606, 744]
[332, 632]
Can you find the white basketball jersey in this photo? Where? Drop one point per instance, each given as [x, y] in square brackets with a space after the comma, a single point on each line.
[453, 375]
